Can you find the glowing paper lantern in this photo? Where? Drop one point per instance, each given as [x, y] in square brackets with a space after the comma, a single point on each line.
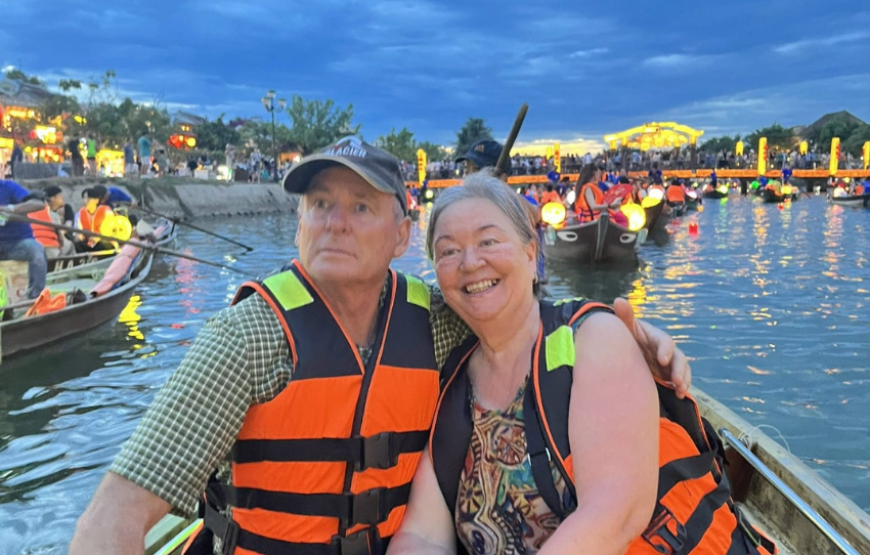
[650, 201]
[635, 214]
[190, 142]
[554, 213]
[117, 226]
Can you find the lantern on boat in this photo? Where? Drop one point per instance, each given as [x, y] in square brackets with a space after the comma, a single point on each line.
[650, 201]
[554, 213]
[117, 226]
[635, 214]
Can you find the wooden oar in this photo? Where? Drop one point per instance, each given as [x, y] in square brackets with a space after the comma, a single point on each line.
[503, 166]
[191, 226]
[108, 238]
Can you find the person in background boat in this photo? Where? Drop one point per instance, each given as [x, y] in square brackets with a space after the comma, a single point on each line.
[714, 180]
[590, 199]
[339, 314]
[490, 477]
[786, 175]
[550, 195]
[52, 239]
[676, 193]
[91, 217]
[115, 196]
[16, 238]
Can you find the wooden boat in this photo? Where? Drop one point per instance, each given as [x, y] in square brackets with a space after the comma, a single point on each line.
[854, 201]
[679, 208]
[89, 263]
[657, 216]
[769, 195]
[778, 493]
[717, 193]
[596, 241]
[20, 334]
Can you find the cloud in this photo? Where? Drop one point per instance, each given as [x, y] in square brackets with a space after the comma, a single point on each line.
[794, 47]
[582, 54]
[790, 104]
[672, 61]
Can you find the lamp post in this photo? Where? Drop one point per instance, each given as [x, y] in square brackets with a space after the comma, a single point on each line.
[270, 106]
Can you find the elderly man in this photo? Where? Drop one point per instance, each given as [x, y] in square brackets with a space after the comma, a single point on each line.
[302, 409]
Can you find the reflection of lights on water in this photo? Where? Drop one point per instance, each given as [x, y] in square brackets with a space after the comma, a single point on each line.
[130, 318]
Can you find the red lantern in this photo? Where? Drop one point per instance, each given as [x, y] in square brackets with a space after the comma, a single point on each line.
[176, 140]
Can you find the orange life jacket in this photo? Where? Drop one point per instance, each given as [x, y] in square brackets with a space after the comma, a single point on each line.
[694, 512]
[676, 194]
[326, 466]
[550, 196]
[585, 213]
[47, 236]
[859, 190]
[93, 222]
[46, 303]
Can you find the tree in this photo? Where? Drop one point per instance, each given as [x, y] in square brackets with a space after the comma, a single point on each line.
[837, 128]
[474, 130]
[778, 137]
[18, 75]
[718, 144]
[401, 145]
[317, 123]
[854, 144]
[215, 135]
[433, 151]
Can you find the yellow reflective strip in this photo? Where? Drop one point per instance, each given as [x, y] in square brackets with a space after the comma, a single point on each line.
[418, 292]
[288, 290]
[560, 348]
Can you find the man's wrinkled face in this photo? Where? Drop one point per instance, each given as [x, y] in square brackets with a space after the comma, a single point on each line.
[349, 232]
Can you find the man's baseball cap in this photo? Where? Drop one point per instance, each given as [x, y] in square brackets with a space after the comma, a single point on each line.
[483, 154]
[379, 168]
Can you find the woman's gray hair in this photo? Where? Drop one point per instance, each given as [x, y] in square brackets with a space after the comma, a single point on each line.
[484, 185]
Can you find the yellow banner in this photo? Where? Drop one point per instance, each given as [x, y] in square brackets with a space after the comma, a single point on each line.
[762, 155]
[557, 157]
[421, 165]
[835, 155]
[866, 155]
[805, 147]
[738, 148]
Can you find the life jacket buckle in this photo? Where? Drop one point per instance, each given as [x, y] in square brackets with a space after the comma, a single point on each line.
[355, 544]
[661, 537]
[364, 508]
[377, 452]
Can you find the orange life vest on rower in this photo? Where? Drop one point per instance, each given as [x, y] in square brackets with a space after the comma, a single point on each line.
[550, 196]
[584, 212]
[694, 512]
[326, 466]
[676, 193]
[859, 190]
[47, 236]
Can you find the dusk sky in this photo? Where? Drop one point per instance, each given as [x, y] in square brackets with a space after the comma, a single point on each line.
[585, 68]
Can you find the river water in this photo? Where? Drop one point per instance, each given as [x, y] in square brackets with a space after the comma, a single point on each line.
[773, 304]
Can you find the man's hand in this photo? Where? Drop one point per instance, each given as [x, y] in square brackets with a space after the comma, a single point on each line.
[665, 359]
